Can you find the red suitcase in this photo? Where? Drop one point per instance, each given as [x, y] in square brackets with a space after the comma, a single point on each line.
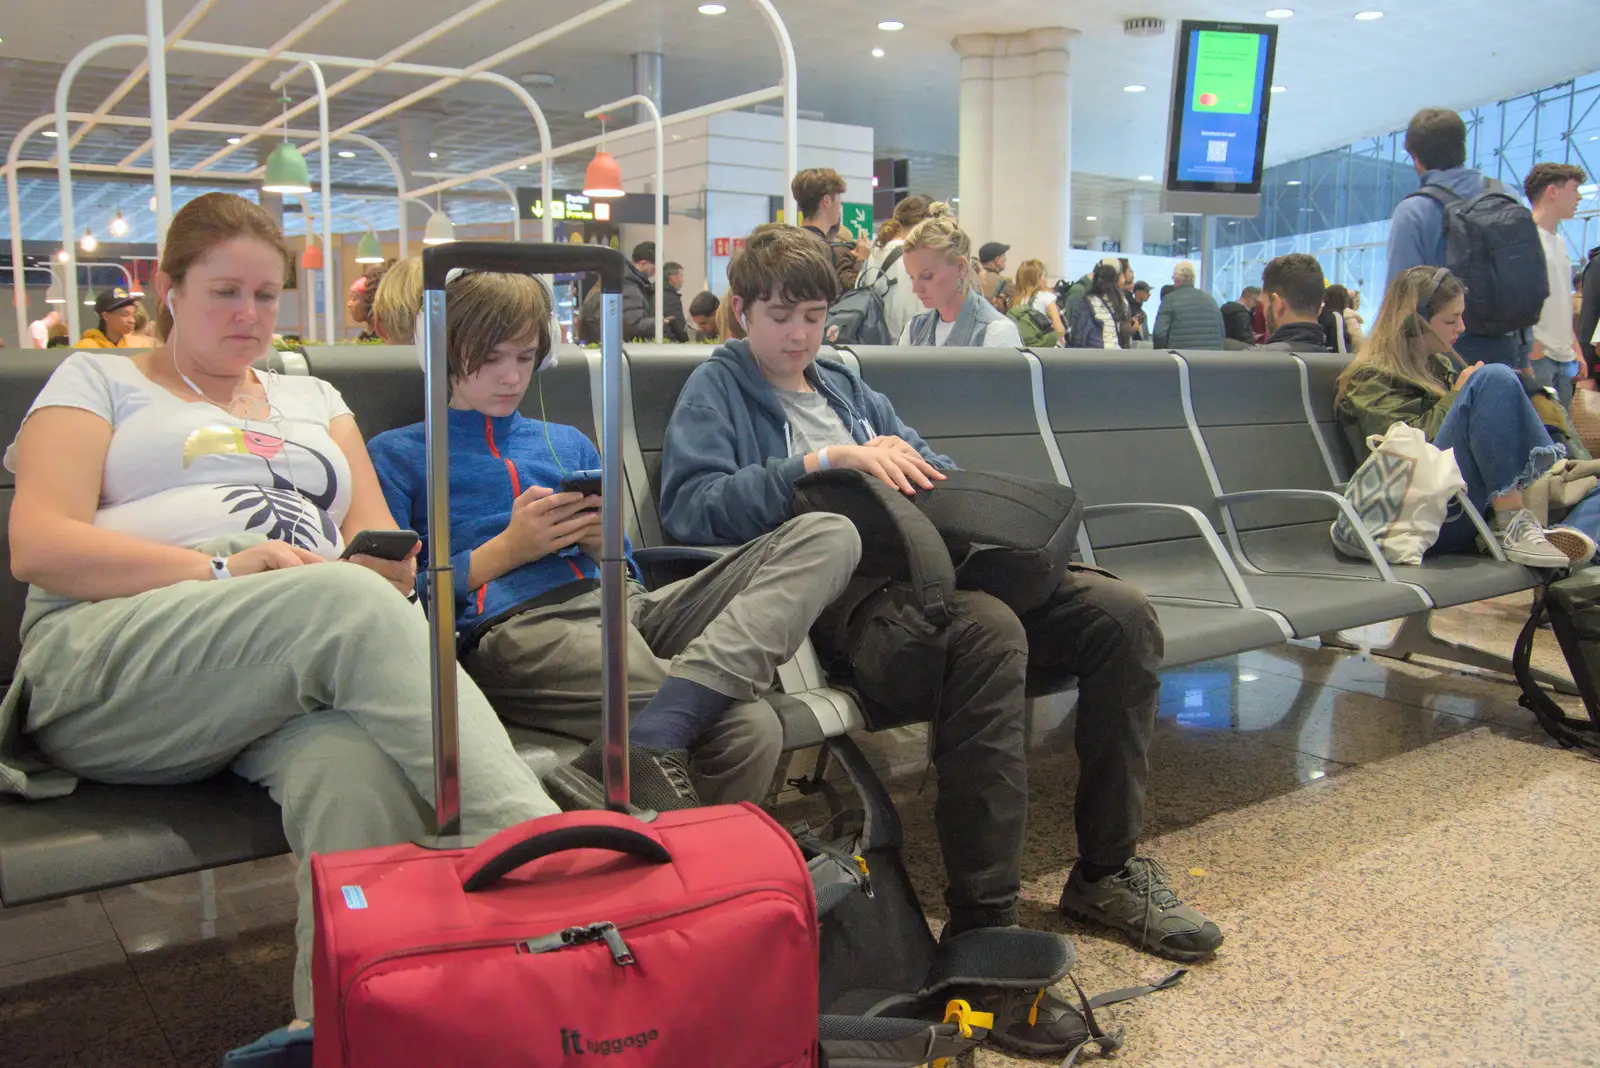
[689, 941]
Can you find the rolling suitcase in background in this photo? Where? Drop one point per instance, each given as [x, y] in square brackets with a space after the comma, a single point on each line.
[689, 941]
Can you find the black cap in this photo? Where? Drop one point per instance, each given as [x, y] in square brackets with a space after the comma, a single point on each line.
[111, 299]
[992, 251]
[644, 251]
[1141, 285]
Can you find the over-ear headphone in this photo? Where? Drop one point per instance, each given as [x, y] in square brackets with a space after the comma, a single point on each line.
[1439, 276]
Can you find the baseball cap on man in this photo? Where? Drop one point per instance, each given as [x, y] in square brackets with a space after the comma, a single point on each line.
[992, 251]
[110, 300]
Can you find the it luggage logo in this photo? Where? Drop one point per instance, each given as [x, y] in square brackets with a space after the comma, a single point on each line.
[573, 1044]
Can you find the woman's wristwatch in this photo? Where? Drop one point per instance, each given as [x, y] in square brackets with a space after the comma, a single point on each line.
[219, 568]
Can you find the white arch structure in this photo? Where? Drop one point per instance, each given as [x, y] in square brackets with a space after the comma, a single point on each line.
[157, 43]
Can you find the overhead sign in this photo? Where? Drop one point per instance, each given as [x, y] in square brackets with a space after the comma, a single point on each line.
[857, 219]
[575, 207]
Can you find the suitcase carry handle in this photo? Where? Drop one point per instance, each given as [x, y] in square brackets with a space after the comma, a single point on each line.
[527, 842]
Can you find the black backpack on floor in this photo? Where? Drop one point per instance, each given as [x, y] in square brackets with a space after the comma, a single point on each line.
[1573, 608]
[1492, 244]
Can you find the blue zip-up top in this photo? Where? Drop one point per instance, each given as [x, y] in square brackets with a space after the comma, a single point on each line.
[726, 475]
[492, 461]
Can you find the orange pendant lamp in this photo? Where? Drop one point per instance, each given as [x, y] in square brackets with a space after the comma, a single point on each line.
[603, 179]
[311, 258]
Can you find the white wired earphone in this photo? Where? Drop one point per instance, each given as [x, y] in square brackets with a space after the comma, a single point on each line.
[268, 387]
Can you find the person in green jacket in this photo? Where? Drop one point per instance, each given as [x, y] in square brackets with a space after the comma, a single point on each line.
[1408, 372]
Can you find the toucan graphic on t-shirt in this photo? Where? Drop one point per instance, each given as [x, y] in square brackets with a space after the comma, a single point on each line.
[279, 510]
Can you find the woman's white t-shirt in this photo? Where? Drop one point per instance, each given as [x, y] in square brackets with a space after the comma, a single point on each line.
[1042, 301]
[182, 473]
[1107, 321]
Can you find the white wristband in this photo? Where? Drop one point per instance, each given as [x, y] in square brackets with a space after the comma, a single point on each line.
[822, 459]
[219, 568]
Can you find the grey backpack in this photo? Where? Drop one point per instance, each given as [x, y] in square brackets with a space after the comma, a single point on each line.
[857, 317]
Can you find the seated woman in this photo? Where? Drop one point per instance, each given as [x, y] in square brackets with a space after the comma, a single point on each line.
[1095, 318]
[118, 312]
[938, 257]
[1408, 372]
[179, 516]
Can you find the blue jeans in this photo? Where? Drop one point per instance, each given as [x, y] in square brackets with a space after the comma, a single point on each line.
[1510, 349]
[1500, 445]
[1553, 373]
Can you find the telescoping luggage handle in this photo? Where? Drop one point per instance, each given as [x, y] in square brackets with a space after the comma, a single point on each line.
[522, 258]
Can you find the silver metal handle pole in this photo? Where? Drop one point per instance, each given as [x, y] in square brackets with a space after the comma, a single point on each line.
[441, 581]
[613, 561]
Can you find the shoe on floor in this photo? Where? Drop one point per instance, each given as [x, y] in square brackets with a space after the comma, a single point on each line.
[658, 778]
[1578, 546]
[282, 1048]
[1138, 900]
[1524, 542]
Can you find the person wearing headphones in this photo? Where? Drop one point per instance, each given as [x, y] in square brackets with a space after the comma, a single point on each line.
[525, 534]
[1408, 372]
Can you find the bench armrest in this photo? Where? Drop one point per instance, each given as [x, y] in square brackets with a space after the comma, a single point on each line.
[1202, 525]
[1475, 517]
[1374, 554]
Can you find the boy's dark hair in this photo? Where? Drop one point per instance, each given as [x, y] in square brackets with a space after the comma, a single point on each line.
[1545, 175]
[704, 303]
[1297, 278]
[1437, 139]
[810, 186]
[783, 263]
[483, 310]
[644, 252]
[1249, 291]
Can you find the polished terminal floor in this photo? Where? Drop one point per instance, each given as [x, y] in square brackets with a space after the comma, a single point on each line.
[1399, 861]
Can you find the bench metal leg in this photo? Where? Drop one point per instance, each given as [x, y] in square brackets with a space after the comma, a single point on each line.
[1416, 638]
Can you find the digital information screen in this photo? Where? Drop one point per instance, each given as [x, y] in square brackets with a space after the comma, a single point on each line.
[575, 207]
[1221, 91]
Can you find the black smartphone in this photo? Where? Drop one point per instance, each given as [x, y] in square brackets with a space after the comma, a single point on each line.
[584, 482]
[384, 544]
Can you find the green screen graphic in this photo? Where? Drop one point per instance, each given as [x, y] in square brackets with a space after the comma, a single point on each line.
[1225, 72]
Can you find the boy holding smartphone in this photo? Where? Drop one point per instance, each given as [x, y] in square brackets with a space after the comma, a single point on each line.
[762, 412]
[701, 651]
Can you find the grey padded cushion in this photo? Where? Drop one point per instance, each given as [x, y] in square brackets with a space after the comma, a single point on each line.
[23, 373]
[382, 384]
[1192, 634]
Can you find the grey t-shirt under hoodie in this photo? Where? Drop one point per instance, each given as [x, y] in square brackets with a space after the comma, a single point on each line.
[813, 424]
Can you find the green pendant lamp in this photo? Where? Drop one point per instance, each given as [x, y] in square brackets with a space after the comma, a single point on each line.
[368, 250]
[287, 172]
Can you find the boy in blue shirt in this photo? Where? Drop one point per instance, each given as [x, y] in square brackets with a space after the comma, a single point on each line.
[701, 651]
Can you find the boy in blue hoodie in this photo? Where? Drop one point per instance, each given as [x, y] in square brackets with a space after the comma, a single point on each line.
[701, 652]
[762, 412]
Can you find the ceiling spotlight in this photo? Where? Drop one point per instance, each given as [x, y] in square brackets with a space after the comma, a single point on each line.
[233, 140]
[1368, 16]
[347, 154]
[1147, 177]
[1292, 181]
[877, 53]
[1280, 88]
[119, 225]
[891, 25]
[523, 167]
[712, 9]
[1281, 13]
[49, 133]
[152, 203]
[1091, 218]
[1133, 88]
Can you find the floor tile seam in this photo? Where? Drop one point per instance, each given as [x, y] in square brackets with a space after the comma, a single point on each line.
[161, 1024]
[113, 940]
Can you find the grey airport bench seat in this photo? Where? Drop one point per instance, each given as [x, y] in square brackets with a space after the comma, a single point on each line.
[1121, 425]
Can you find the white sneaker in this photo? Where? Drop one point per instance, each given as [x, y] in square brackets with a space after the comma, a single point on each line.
[1579, 547]
[1525, 543]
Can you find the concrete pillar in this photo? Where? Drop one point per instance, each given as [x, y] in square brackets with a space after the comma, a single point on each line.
[1016, 142]
[646, 82]
[1132, 224]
